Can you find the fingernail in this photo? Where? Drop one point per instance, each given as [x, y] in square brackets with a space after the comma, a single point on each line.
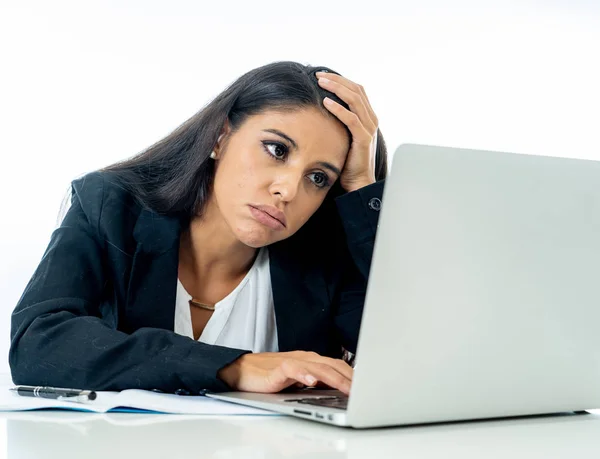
[310, 380]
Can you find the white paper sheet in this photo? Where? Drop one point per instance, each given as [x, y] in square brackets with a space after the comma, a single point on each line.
[130, 400]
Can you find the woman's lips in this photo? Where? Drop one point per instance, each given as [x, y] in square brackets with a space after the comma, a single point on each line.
[266, 219]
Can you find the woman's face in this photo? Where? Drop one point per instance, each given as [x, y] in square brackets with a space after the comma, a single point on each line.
[284, 160]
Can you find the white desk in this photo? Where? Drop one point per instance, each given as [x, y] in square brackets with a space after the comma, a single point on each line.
[67, 434]
[64, 435]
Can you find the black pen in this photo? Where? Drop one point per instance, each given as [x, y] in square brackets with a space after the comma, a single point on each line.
[56, 393]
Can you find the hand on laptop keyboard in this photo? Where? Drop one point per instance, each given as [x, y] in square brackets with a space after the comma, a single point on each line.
[271, 372]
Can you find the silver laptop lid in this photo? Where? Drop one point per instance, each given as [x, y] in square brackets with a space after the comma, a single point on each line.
[484, 292]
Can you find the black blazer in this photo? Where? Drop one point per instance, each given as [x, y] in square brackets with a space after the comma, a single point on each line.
[98, 312]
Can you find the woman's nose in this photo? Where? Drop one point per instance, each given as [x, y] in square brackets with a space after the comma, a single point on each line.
[287, 185]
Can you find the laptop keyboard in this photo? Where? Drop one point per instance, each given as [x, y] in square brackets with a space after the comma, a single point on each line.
[339, 402]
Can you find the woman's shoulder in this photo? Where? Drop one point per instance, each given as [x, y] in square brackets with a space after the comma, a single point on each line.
[98, 186]
[108, 205]
[99, 189]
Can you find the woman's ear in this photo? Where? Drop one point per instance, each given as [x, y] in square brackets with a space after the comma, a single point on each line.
[224, 133]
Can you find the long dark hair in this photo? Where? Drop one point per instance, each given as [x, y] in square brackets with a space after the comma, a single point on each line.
[175, 175]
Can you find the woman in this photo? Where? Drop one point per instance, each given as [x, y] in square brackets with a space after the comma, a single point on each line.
[232, 254]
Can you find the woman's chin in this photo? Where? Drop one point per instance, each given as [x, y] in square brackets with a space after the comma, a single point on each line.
[256, 237]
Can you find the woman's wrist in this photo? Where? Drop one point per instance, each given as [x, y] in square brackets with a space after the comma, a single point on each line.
[359, 184]
[230, 374]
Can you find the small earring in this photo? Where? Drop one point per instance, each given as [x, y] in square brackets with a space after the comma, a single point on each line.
[213, 155]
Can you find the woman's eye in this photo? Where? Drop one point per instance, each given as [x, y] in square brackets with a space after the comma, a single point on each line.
[275, 149]
[279, 151]
[321, 180]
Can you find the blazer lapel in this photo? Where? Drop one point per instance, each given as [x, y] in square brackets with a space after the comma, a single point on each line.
[301, 301]
[153, 281]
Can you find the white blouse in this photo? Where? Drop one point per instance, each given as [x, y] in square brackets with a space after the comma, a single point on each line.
[244, 319]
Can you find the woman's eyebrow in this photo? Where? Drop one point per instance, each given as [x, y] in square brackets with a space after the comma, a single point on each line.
[282, 134]
[329, 166]
[324, 164]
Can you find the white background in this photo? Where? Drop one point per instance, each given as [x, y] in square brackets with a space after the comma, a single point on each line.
[86, 83]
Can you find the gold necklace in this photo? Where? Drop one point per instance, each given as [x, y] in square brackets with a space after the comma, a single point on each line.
[208, 307]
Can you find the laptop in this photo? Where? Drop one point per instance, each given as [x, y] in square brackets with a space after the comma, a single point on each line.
[483, 299]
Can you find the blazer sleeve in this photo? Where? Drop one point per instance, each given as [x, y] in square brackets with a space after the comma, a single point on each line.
[59, 338]
[359, 213]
